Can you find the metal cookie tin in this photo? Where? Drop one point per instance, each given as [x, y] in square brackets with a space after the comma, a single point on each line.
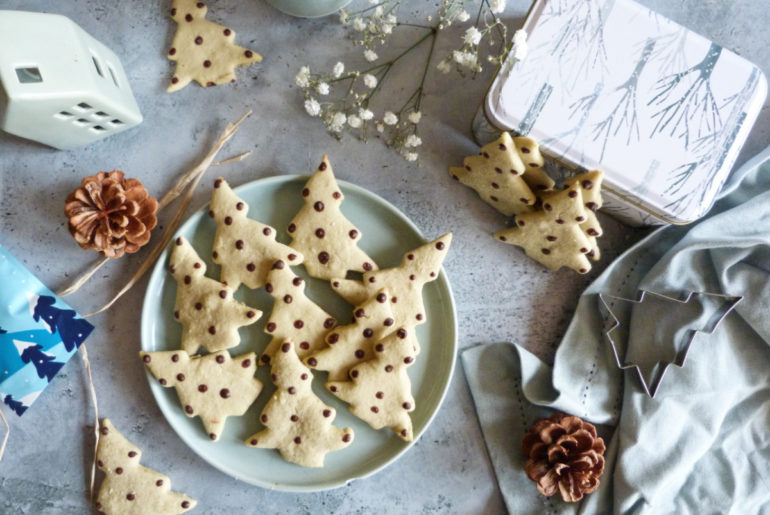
[612, 85]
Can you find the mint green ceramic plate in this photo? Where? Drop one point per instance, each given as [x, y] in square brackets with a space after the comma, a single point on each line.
[387, 235]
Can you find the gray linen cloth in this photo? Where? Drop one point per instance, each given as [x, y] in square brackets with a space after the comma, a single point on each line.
[702, 445]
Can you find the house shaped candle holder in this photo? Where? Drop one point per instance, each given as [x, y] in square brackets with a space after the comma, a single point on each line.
[58, 85]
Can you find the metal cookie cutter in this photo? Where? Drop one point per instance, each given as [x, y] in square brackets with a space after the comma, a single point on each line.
[615, 323]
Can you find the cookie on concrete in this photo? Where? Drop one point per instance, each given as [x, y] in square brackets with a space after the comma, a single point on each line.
[128, 487]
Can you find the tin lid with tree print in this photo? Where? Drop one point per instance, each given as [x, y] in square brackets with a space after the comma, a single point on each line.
[610, 84]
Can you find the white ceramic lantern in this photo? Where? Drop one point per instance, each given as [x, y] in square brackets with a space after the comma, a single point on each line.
[58, 85]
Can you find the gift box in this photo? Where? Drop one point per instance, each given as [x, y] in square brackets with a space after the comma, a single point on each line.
[612, 85]
[38, 334]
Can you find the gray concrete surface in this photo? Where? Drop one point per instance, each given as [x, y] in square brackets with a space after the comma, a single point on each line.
[501, 295]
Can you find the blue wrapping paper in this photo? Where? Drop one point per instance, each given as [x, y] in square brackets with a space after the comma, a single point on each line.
[38, 334]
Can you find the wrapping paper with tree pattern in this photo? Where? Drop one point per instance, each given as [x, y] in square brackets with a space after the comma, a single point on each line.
[38, 334]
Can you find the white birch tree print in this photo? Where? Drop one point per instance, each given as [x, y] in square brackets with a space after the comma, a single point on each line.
[686, 105]
[624, 113]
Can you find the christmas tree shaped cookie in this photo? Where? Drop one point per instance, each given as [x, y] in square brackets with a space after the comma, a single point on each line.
[322, 233]
[130, 488]
[379, 391]
[404, 282]
[354, 343]
[294, 317]
[297, 422]
[496, 175]
[553, 236]
[245, 248]
[204, 51]
[591, 186]
[212, 387]
[529, 151]
[209, 314]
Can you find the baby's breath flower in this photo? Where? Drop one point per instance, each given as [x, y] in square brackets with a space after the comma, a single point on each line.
[443, 66]
[497, 6]
[322, 88]
[378, 12]
[390, 118]
[337, 122]
[359, 25]
[354, 121]
[520, 45]
[411, 156]
[365, 114]
[312, 107]
[415, 117]
[387, 28]
[338, 69]
[380, 127]
[370, 81]
[467, 59]
[302, 79]
[463, 16]
[391, 18]
[370, 55]
[472, 36]
[344, 16]
[413, 140]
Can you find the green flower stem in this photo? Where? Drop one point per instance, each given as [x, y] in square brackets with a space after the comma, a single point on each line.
[427, 67]
[375, 6]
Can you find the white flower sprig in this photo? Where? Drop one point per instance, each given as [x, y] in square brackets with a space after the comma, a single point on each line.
[469, 56]
[342, 99]
[372, 26]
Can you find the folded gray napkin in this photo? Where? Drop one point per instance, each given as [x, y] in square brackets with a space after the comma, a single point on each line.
[702, 445]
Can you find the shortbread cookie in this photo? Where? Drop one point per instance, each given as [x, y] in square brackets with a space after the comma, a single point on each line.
[321, 232]
[591, 186]
[297, 422]
[294, 317]
[379, 391]
[404, 282]
[245, 249]
[353, 343]
[533, 160]
[128, 487]
[212, 387]
[496, 175]
[209, 314]
[204, 51]
[552, 236]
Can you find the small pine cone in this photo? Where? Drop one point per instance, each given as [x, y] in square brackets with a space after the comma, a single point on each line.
[564, 455]
[111, 214]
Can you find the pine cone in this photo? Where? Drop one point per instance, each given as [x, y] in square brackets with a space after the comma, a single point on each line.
[111, 214]
[565, 455]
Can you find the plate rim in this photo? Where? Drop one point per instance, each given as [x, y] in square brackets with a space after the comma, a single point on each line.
[146, 328]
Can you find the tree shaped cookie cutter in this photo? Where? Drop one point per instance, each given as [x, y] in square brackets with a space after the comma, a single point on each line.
[612, 322]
